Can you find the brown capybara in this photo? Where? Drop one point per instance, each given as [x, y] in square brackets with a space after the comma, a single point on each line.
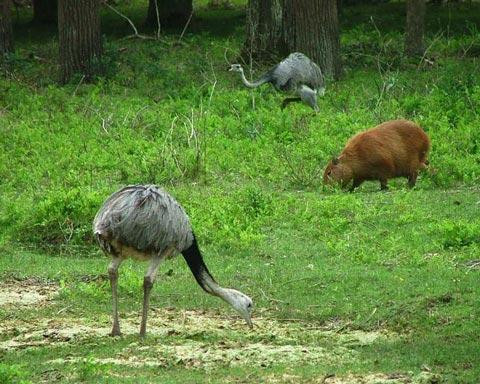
[396, 148]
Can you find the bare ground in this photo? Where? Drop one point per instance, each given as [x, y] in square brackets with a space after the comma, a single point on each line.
[270, 342]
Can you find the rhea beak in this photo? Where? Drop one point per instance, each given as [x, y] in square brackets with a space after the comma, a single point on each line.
[248, 320]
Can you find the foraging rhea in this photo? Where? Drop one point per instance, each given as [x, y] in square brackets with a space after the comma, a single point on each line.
[396, 148]
[146, 223]
[296, 74]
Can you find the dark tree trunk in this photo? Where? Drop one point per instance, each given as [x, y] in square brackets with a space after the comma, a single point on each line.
[414, 44]
[173, 13]
[311, 27]
[45, 11]
[6, 35]
[280, 27]
[79, 37]
[264, 29]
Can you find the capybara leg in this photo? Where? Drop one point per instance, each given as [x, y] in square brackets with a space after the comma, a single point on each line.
[356, 183]
[383, 184]
[412, 179]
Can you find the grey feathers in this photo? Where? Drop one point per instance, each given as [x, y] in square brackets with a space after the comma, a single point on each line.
[297, 74]
[296, 70]
[143, 217]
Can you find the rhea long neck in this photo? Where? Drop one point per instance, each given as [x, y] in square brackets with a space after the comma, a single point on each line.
[227, 294]
[255, 84]
[200, 271]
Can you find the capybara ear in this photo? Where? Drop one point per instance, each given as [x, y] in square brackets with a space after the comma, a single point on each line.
[335, 161]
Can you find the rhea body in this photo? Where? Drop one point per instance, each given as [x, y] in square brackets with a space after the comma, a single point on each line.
[296, 74]
[144, 222]
[396, 148]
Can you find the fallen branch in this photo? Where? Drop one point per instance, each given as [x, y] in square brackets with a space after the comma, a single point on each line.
[185, 27]
[135, 30]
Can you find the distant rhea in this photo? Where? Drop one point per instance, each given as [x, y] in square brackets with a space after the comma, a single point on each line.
[296, 74]
[145, 223]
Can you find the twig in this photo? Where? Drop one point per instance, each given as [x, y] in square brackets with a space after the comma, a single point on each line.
[225, 57]
[135, 31]
[213, 86]
[122, 15]
[439, 35]
[63, 309]
[78, 85]
[158, 20]
[104, 126]
[185, 27]
[371, 315]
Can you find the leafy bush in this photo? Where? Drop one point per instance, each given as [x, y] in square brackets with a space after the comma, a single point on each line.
[459, 234]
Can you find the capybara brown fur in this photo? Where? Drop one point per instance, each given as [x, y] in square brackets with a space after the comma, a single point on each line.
[396, 148]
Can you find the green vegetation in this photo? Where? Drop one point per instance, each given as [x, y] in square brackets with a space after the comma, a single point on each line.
[320, 263]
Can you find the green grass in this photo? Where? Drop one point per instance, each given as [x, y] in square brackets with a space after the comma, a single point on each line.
[315, 260]
[384, 263]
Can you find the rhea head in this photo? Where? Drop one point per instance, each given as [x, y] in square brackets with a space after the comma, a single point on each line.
[236, 68]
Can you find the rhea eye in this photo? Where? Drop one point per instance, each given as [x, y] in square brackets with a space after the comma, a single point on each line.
[249, 305]
[329, 173]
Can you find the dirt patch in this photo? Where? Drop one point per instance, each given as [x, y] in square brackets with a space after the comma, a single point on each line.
[192, 326]
[191, 339]
[191, 354]
[382, 378]
[26, 292]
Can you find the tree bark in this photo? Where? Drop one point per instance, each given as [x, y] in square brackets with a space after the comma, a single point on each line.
[80, 43]
[414, 43]
[173, 13]
[264, 29]
[280, 27]
[45, 11]
[311, 27]
[6, 34]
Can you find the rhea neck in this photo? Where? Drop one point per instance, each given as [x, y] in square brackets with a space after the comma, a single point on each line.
[248, 84]
[227, 294]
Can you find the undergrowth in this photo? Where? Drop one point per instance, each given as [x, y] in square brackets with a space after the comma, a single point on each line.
[168, 112]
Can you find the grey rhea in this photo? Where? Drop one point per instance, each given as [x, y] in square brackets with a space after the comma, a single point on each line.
[145, 223]
[296, 74]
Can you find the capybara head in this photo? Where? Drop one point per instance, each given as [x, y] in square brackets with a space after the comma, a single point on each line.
[337, 171]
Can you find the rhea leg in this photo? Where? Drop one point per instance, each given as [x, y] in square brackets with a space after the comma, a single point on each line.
[113, 274]
[289, 100]
[148, 281]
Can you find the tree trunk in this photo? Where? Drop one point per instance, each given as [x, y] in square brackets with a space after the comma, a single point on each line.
[264, 29]
[280, 27]
[311, 27]
[6, 35]
[173, 13]
[80, 41]
[414, 44]
[45, 11]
